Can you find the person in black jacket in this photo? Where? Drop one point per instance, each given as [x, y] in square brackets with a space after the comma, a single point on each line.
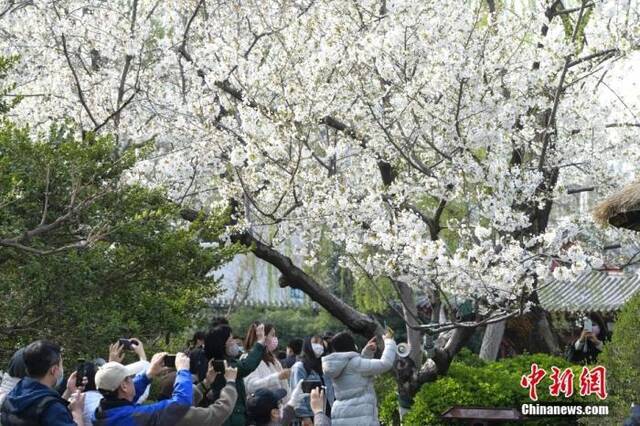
[197, 356]
[591, 341]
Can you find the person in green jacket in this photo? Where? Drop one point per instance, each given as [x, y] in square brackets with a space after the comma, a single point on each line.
[220, 345]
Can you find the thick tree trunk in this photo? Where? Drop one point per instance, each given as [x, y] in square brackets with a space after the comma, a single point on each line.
[491, 340]
[546, 340]
[410, 311]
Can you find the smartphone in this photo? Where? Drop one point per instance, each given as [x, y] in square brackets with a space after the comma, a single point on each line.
[218, 365]
[170, 361]
[126, 344]
[309, 385]
[390, 331]
[588, 325]
[80, 371]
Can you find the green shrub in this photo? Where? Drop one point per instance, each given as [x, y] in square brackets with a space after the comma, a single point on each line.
[467, 357]
[386, 392]
[620, 356]
[472, 382]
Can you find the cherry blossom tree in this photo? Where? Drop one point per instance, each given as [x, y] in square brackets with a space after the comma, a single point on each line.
[429, 140]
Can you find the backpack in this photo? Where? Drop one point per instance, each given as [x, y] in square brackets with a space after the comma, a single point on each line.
[29, 417]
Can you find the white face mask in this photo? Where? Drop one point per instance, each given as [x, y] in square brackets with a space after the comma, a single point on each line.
[318, 349]
[60, 378]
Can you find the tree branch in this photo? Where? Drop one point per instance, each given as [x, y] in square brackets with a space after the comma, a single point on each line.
[606, 53]
[573, 9]
[294, 277]
[77, 81]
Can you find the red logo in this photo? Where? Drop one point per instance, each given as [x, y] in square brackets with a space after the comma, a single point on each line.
[594, 381]
[562, 382]
[531, 381]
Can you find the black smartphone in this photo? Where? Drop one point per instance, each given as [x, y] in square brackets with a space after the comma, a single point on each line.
[170, 361]
[218, 365]
[80, 371]
[309, 385]
[126, 344]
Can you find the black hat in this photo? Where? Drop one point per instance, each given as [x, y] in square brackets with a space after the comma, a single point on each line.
[261, 402]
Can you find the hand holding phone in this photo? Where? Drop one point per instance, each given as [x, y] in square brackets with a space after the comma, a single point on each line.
[80, 372]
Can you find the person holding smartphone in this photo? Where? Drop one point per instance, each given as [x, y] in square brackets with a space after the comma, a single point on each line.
[122, 388]
[220, 345]
[269, 374]
[590, 343]
[353, 375]
[308, 369]
[216, 413]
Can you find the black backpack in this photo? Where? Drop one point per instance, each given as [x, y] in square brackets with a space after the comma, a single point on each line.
[29, 417]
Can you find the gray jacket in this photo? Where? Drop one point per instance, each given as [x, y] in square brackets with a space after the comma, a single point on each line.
[352, 376]
[215, 414]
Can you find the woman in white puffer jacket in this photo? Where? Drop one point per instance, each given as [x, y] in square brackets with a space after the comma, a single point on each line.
[353, 375]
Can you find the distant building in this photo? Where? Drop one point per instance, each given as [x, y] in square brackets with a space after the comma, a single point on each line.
[247, 280]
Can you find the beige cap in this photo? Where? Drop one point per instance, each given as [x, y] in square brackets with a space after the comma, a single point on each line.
[112, 374]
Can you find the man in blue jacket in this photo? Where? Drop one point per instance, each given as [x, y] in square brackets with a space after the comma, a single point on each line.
[121, 389]
[34, 401]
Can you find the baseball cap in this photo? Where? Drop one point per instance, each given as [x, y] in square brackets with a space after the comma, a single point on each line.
[112, 374]
[261, 402]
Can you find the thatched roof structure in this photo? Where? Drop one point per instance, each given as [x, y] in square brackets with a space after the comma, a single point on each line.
[621, 209]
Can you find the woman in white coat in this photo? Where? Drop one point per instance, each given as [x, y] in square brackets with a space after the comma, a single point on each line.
[269, 374]
[353, 375]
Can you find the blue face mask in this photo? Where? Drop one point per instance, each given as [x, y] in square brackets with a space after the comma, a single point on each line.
[233, 350]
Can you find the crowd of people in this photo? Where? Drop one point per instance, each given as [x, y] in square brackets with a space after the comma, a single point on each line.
[219, 380]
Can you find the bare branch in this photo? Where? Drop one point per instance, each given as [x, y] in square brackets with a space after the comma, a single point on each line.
[610, 125]
[573, 9]
[77, 81]
[605, 53]
[440, 328]
[46, 196]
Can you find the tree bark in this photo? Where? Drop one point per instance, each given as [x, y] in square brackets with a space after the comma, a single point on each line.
[491, 340]
[546, 340]
[410, 311]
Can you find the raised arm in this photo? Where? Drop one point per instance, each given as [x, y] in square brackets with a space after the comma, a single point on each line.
[374, 367]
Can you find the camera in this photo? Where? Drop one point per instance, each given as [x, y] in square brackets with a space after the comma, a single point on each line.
[126, 344]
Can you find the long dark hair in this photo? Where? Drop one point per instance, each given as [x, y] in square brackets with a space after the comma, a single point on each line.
[309, 359]
[251, 338]
[215, 342]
